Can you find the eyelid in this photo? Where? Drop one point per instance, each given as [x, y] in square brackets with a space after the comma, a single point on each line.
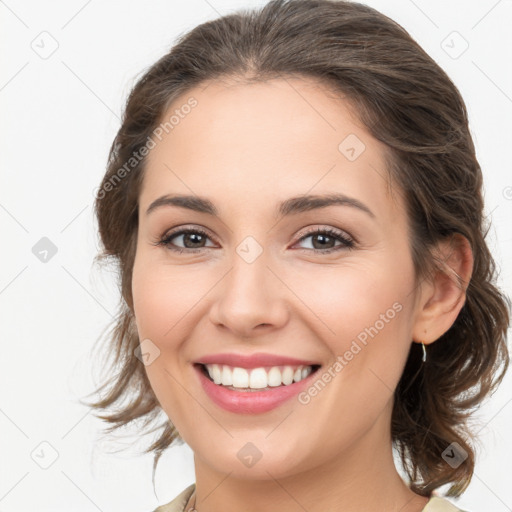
[323, 228]
[186, 228]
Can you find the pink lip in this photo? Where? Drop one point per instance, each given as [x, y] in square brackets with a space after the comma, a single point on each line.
[250, 402]
[253, 361]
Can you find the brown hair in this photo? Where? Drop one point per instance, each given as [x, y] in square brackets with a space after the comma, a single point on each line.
[406, 101]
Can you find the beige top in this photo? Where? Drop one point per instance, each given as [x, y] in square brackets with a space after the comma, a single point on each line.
[435, 504]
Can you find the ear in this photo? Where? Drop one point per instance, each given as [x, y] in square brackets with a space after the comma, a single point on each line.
[443, 294]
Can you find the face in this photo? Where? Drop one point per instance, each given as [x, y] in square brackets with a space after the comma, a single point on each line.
[258, 272]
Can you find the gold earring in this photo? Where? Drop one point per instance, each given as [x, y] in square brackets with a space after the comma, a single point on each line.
[424, 358]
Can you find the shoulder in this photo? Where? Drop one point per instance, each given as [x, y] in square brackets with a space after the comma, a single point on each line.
[178, 503]
[437, 504]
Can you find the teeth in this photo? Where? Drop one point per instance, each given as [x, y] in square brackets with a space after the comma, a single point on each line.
[257, 378]
[287, 375]
[216, 374]
[226, 375]
[240, 378]
[274, 378]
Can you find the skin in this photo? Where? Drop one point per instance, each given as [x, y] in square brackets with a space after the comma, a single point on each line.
[247, 148]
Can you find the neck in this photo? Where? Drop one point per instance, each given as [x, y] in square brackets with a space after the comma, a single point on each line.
[363, 477]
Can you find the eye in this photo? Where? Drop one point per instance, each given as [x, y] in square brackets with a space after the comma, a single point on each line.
[324, 240]
[193, 240]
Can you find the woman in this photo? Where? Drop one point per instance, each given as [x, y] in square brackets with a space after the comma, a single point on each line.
[295, 205]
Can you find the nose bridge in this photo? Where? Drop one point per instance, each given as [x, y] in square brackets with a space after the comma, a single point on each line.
[250, 295]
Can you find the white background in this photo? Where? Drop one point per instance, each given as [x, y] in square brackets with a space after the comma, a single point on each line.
[59, 116]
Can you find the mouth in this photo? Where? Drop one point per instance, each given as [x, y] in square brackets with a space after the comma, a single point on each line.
[259, 379]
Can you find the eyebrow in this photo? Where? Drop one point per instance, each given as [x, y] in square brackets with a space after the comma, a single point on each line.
[290, 206]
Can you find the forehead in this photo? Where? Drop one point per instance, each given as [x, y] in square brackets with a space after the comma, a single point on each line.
[241, 142]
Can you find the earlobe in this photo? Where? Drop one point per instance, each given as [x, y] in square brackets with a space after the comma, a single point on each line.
[444, 295]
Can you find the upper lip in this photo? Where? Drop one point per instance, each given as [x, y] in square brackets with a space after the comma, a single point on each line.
[254, 360]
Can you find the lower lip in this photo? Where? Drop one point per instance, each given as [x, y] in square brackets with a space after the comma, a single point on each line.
[250, 402]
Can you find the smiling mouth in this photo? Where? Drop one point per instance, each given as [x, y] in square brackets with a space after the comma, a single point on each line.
[256, 379]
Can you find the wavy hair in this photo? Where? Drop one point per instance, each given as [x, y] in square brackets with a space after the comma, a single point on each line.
[407, 102]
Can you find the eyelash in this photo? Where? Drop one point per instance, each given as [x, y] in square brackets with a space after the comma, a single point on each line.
[346, 243]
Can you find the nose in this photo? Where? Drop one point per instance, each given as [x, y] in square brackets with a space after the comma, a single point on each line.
[250, 300]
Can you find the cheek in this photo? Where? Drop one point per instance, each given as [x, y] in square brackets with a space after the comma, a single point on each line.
[164, 297]
[362, 313]
[164, 300]
[356, 301]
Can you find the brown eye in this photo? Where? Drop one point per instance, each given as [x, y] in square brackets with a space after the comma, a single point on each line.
[324, 240]
[188, 240]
